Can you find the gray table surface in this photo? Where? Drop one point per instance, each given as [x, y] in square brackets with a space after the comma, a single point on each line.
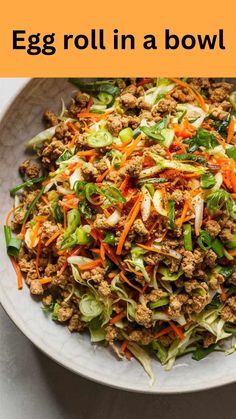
[33, 386]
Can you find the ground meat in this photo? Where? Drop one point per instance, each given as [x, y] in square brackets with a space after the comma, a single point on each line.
[152, 258]
[25, 264]
[96, 274]
[29, 169]
[216, 280]
[104, 289]
[101, 223]
[111, 333]
[64, 313]
[89, 172]
[143, 316]
[155, 295]
[143, 337]
[81, 99]
[178, 195]
[208, 339]
[50, 118]
[140, 229]
[75, 324]
[19, 215]
[145, 115]
[176, 303]
[28, 197]
[115, 124]
[232, 278]
[190, 261]
[43, 210]
[194, 285]
[228, 312]
[48, 229]
[132, 121]
[182, 95]
[219, 112]
[210, 258]
[166, 340]
[164, 106]
[226, 235]
[51, 269]
[196, 303]
[219, 92]
[128, 101]
[52, 152]
[63, 132]
[213, 228]
[35, 287]
[134, 166]
[142, 104]
[47, 300]
[102, 165]
[132, 89]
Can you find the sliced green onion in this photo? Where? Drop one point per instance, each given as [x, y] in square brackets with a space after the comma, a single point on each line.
[207, 180]
[13, 244]
[218, 248]
[98, 139]
[159, 303]
[110, 238]
[231, 152]
[188, 156]
[204, 240]
[171, 214]
[232, 243]
[33, 203]
[152, 180]
[187, 231]
[26, 184]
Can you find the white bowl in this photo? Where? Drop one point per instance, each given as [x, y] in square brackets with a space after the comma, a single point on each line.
[74, 351]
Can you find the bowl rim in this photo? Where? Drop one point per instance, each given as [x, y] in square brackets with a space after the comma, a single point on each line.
[66, 363]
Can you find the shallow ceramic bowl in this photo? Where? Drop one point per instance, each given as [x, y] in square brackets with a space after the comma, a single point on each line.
[21, 121]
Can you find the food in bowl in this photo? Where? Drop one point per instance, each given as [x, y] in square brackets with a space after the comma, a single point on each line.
[125, 226]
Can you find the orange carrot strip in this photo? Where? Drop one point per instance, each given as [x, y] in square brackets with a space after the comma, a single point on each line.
[180, 220]
[10, 213]
[124, 184]
[52, 238]
[117, 318]
[130, 150]
[90, 265]
[197, 96]
[38, 255]
[102, 254]
[92, 115]
[232, 252]
[178, 330]
[163, 332]
[223, 295]
[129, 222]
[123, 346]
[121, 146]
[45, 199]
[45, 280]
[89, 104]
[18, 273]
[230, 133]
[103, 175]
[65, 217]
[125, 279]
[91, 152]
[35, 233]
[128, 355]
[110, 253]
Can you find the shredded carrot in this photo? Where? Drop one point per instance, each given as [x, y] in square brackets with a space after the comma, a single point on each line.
[10, 213]
[130, 149]
[18, 272]
[128, 355]
[104, 174]
[230, 133]
[89, 104]
[90, 265]
[34, 234]
[197, 95]
[129, 222]
[21, 235]
[125, 279]
[163, 332]
[118, 317]
[91, 152]
[223, 295]
[45, 199]
[232, 252]
[180, 220]
[121, 146]
[71, 144]
[52, 238]
[102, 254]
[144, 81]
[124, 184]
[92, 115]
[178, 330]
[45, 280]
[133, 270]
[38, 255]
[110, 253]
[150, 248]
[63, 268]
[123, 346]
